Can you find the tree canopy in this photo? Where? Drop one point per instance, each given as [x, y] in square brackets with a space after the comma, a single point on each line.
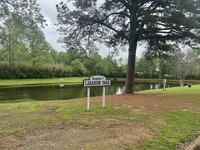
[118, 23]
[26, 9]
[19, 27]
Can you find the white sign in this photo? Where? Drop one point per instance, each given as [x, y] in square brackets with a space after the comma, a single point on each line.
[97, 77]
[89, 83]
[97, 80]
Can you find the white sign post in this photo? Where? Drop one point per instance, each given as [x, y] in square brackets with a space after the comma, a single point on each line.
[104, 97]
[97, 80]
[164, 84]
[88, 98]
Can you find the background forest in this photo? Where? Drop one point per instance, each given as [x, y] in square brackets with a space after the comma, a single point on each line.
[25, 53]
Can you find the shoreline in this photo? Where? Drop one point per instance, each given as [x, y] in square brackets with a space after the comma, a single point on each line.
[75, 80]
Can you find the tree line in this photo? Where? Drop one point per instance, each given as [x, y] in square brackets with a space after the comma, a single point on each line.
[176, 64]
[50, 64]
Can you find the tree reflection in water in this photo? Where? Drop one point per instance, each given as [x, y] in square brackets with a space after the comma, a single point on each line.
[55, 92]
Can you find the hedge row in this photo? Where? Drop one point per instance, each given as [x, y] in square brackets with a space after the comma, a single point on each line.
[30, 72]
[27, 72]
[193, 77]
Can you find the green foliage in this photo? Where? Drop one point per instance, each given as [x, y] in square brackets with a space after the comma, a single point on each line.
[91, 63]
[63, 58]
[104, 66]
[77, 68]
[58, 64]
[17, 19]
[176, 64]
[29, 71]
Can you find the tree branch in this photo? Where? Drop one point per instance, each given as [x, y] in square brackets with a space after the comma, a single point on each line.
[113, 29]
[125, 3]
[116, 13]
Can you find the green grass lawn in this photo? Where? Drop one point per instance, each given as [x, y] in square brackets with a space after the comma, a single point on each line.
[195, 89]
[167, 128]
[18, 82]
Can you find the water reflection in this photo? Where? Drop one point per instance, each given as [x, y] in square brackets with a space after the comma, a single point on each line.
[120, 90]
[57, 92]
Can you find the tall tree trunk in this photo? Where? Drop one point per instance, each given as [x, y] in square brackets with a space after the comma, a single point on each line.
[131, 68]
[133, 38]
[10, 55]
[10, 58]
[33, 62]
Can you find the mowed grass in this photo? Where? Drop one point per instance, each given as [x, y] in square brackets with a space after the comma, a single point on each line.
[183, 126]
[141, 130]
[18, 82]
[195, 89]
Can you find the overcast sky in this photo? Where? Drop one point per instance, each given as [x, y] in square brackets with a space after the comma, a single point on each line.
[48, 9]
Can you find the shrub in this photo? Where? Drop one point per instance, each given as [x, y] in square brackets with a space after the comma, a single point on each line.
[22, 71]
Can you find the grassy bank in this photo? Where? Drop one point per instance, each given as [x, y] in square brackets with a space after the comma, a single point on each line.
[19, 82]
[161, 80]
[150, 120]
[195, 89]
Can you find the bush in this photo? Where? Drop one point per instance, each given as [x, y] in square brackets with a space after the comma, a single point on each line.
[193, 77]
[22, 71]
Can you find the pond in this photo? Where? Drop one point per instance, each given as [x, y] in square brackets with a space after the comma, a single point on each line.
[57, 92]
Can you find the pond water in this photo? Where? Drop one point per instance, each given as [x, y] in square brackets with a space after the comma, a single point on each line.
[57, 92]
